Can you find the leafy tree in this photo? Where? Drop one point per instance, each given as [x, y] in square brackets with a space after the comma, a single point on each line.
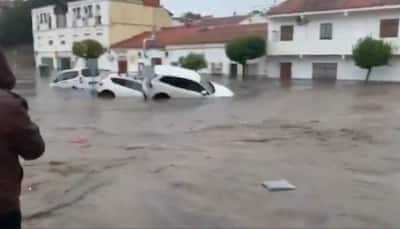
[369, 53]
[193, 61]
[88, 49]
[190, 16]
[247, 48]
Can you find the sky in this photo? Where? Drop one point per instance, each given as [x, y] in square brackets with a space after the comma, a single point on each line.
[215, 7]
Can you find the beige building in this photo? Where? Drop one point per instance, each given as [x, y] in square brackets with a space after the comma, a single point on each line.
[57, 27]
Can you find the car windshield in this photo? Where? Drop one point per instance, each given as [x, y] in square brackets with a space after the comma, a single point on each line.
[208, 85]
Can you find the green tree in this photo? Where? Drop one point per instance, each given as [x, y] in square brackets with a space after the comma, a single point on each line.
[88, 49]
[369, 53]
[247, 48]
[190, 16]
[193, 61]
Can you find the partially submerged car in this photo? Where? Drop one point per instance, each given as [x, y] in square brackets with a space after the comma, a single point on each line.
[175, 82]
[115, 85]
[81, 78]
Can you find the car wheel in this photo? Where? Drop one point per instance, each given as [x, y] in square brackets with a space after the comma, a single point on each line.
[161, 96]
[107, 95]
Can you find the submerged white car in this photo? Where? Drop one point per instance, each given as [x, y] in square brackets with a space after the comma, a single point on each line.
[81, 78]
[175, 82]
[118, 86]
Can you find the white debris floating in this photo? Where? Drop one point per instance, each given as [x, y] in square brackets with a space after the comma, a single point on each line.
[279, 185]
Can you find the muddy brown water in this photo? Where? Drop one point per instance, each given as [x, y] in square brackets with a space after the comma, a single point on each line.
[200, 163]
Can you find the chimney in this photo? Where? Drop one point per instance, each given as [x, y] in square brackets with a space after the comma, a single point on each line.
[152, 3]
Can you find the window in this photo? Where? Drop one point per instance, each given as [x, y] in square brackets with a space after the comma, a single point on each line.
[62, 42]
[61, 20]
[182, 83]
[78, 13]
[287, 33]
[90, 11]
[128, 83]
[66, 76]
[98, 20]
[88, 73]
[51, 42]
[326, 31]
[49, 21]
[389, 28]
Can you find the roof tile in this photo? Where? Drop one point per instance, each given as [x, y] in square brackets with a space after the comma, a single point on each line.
[299, 6]
[185, 35]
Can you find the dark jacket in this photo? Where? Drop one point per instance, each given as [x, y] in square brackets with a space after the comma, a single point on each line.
[19, 136]
[7, 78]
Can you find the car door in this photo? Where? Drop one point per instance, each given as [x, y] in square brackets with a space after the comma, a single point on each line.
[88, 79]
[179, 87]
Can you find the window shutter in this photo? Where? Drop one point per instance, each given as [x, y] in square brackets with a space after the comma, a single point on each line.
[389, 28]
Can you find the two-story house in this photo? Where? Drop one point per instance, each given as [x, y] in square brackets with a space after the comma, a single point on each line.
[57, 27]
[314, 39]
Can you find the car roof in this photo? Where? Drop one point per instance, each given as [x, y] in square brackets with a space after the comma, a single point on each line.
[167, 70]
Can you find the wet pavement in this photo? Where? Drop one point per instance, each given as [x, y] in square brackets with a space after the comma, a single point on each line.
[200, 163]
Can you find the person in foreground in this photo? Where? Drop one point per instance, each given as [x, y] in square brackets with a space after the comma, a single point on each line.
[19, 137]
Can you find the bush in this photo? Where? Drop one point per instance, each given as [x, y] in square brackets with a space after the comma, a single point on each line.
[369, 53]
[243, 49]
[193, 61]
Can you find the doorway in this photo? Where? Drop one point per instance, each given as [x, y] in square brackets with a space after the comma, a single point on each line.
[233, 70]
[286, 71]
[122, 67]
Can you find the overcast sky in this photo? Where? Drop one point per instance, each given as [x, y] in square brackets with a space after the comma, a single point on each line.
[215, 7]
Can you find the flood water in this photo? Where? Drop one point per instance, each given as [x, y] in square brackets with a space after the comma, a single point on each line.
[193, 163]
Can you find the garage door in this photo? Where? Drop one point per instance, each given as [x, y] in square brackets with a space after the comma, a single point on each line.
[325, 71]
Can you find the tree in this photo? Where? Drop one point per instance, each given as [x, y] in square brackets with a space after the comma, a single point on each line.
[247, 48]
[88, 49]
[369, 53]
[189, 16]
[193, 61]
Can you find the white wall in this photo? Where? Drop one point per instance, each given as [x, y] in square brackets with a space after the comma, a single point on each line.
[254, 19]
[214, 53]
[302, 68]
[55, 42]
[347, 29]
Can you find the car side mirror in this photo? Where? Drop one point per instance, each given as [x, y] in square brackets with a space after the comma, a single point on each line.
[204, 93]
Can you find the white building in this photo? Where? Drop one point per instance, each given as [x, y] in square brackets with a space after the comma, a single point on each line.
[57, 27]
[314, 39]
[173, 43]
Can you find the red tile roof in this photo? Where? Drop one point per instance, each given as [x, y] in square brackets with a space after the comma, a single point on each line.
[186, 35]
[298, 6]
